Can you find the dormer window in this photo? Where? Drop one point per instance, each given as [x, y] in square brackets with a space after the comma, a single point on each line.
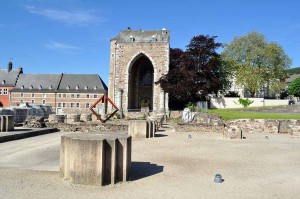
[22, 87]
[77, 87]
[68, 87]
[40, 87]
[3, 82]
[85, 88]
[95, 87]
[50, 87]
[131, 38]
[31, 87]
[164, 31]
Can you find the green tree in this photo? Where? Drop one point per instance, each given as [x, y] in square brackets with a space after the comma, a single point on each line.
[195, 72]
[294, 88]
[256, 63]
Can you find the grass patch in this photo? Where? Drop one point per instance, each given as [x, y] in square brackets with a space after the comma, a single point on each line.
[230, 114]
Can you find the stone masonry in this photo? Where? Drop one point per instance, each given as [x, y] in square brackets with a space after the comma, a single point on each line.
[125, 50]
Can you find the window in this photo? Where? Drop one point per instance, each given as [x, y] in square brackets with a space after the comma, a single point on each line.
[5, 91]
[64, 105]
[59, 104]
[87, 96]
[0, 91]
[95, 96]
[78, 95]
[32, 101]
[78, 105]
[72, 96]
[44, 95]
[72, 105]
[21, 94]
[21, 102]
[87, 105]
[43, 102]
[64, 95]
[32, 94]
[59, 95]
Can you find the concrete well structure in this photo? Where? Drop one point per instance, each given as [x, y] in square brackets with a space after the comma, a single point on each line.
[7, 123]
[95, 159]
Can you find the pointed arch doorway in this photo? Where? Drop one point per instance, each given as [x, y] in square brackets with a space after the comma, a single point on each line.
[140, 84]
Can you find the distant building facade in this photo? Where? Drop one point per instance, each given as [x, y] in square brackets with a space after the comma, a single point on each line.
[60, 91]
[8, 80]
[138, 59]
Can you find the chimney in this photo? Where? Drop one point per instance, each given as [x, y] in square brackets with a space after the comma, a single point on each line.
[9, 66]
[20, 69]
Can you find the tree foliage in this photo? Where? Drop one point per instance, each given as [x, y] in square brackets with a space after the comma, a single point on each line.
[256, 63]
[294, 88]
[195, 72]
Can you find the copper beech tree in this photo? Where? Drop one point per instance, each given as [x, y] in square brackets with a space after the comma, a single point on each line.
[194, 73]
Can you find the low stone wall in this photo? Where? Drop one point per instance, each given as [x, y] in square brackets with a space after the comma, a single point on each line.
[87, 127]
[265, 126]
[200, 128]
[291, 127]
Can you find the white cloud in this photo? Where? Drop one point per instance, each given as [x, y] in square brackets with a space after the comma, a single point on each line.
[71, 18]
[61, 47]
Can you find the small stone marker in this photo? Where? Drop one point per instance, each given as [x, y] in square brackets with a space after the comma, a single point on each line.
[95, 158]
[218, 178]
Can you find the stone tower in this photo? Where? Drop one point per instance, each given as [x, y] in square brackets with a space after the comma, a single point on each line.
[138, 58]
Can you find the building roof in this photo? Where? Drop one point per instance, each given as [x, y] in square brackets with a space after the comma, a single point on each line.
[143, 36]
[77, 83]
[37, 82]
[91, 83]
[8, 78]
[292, 78]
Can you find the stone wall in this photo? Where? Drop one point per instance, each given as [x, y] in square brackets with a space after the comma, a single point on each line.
[88, 127]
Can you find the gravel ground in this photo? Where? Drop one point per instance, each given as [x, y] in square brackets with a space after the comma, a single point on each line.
[171, 165]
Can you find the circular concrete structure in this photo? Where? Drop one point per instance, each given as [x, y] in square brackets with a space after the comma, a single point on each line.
[95, 158]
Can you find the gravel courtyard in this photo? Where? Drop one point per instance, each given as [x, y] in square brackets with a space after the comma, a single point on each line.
[171, 165]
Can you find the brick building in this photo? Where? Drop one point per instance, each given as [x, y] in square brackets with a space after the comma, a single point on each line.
[61, 91]
[139, 58]
[8, 80]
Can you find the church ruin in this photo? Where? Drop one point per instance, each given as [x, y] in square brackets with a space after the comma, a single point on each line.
[138, 58]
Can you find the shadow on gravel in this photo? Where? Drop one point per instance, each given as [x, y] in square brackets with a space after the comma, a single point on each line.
[141, 170]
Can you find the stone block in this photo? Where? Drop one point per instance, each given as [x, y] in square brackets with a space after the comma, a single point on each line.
[233, 132]
[95, 158]
[139, 128]
[53, 118]
[7, 123]
[71, 118]
[85, 117]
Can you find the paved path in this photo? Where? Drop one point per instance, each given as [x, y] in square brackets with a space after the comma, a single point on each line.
[171, 165]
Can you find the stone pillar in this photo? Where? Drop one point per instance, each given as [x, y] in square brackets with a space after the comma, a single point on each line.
[95, 158]
[162, 102]
[120, 101]
[7, 123]
[139, 128]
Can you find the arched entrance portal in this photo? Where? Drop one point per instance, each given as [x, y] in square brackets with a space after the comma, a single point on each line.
[140, 84]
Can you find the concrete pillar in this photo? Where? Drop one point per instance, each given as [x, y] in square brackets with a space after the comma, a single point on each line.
[7, 123]
[95, 158]
[162, 102]
[139, 128]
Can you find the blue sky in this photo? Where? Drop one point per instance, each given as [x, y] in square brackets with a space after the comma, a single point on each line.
[72, 36]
